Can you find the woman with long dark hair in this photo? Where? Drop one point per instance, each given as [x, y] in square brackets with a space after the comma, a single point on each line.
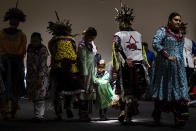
[169, 82]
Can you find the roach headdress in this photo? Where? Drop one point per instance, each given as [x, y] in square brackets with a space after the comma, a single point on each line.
[15, 13]
[59, 27]
[124, 15]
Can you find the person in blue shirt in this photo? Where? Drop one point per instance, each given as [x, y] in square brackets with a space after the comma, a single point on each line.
[150, 57]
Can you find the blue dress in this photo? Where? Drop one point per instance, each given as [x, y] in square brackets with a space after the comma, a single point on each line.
[168, 80]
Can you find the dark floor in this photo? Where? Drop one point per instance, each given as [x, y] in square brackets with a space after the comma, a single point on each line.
[143, 121]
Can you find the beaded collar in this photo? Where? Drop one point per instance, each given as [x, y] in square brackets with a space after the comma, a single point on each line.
[178, 36]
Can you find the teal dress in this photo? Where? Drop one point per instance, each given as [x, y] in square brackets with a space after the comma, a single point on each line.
[168, 82]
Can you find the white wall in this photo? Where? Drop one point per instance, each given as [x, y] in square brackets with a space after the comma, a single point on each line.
[150, 15]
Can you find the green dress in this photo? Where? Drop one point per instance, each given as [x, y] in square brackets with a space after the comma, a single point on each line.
[104, 91]
[87, 70]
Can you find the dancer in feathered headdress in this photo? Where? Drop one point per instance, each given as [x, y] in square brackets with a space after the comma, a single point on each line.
[12, 51]
[59, 27]
[15, 13]
[124, 17]
[128, 64]
[64, 72]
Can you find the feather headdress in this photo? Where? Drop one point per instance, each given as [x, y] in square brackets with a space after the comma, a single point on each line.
[59, 27]
[15, 13]
[125, 14]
